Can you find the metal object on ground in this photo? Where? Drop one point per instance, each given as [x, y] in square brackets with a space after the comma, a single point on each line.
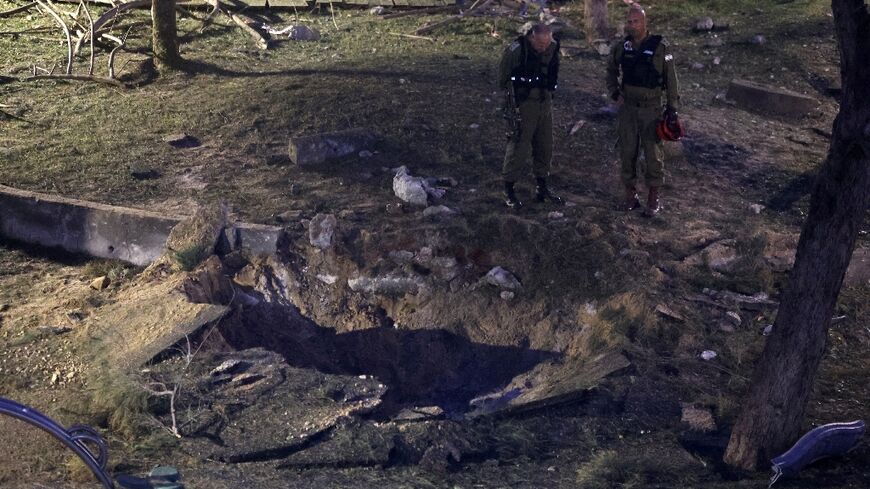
[74, 438]
[825, 441]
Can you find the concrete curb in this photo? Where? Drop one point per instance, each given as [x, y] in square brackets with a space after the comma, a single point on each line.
[106, 231]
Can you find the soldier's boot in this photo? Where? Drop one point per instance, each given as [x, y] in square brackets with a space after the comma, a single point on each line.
[544, 193]
[631, 201]
[510, 197]
[653, 206]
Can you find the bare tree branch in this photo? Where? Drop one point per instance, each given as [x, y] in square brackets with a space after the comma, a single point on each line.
[23, 8]
[65, 31]
[98, 79]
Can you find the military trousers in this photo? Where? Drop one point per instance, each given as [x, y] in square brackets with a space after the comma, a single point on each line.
[534, 138]
[636, 132]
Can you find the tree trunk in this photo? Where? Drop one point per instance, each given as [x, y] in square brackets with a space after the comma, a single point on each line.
[595, 16]
[772, 416]
[164, 37]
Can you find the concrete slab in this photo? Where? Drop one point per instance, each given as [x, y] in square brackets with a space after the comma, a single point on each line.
[766, 99]
[78, 226]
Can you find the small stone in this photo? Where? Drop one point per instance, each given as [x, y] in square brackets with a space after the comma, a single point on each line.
[726, 328]
[767, 330]
[603, 49]
[365, 154]
[756, 208]
[758, 40]
[70, 375]
[697, 66]
[734, 318]
[303, 33]
[401, 257]
[474, 126]
[55, 377]
[100, 283]
[703, 24]
[377, 10]
[717, 61]
[410, 189]
[668, 312]
[502, 278]
[395, 208]
[321, 230]
[708, 355]
[507, 295]
[555, 215]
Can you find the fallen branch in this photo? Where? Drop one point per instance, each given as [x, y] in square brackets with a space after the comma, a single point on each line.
[91, 35]
[98, 79]
[422, 11]
[412, 36]
[476, 7]
[23, 8]
[69, 47]
[35, 30]
[242, 21]
[121, 43]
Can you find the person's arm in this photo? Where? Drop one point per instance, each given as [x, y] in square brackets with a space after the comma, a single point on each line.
[614, 90]
[509, 60]
[672, 85]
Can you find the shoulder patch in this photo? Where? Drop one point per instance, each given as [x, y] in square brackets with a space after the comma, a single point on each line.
[514, 46]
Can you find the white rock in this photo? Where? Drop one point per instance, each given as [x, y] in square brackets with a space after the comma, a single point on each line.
[767, 330]
[474, 126]
[327, 279]
[758, 39]
[409, 189]
[365, 154]
[321, 230]
[555, 215]
[502, 278]
[506, 295]
[756, 208]
[704, 24]
[734, 318]
[708, 354]
[377, 10]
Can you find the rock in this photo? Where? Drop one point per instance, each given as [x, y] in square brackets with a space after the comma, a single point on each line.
[708, 355]
[698, 419]
[438, 210]
[733, 318]
[100, 283]
[502, 278]
[756, 208]
[321, 230]
[697, 66]
[474, 126]
[668, 312]
[419, 413]
[758, 40]
[719, 256]
[603, 48]
[410, 189]
[303, 33]
[703, 24]
[445, 267]
[55, 377]
[507, 295]
[401, 257]
[230, 366]
[717, 61]
[377, 10]
[765, 331]
[395, 208]
[726, 327]
[181, 140]
[392, 286]
[318, 148]
[365, 154]
[555, 215]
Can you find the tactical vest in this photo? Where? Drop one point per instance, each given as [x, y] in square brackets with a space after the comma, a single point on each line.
[638, 69]
[531, 74]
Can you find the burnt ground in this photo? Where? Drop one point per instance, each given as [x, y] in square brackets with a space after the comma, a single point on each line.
[591, 279]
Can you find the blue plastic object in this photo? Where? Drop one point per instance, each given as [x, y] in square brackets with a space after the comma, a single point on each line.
[825, 441]
[73, 438]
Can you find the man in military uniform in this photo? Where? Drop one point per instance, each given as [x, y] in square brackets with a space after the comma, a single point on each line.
[640, 72]
[528, 73]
